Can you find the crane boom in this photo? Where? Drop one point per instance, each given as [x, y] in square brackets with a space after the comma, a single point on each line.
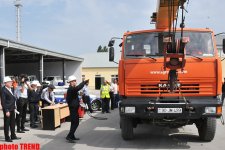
[165, 13]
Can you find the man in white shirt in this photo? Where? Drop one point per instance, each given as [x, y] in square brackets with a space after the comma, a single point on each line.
[112, 98]
[48, 96]
[115, 92]
[22, 102]
[86, 96]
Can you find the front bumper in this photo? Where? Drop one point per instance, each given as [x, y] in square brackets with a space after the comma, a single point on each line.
[192, 108]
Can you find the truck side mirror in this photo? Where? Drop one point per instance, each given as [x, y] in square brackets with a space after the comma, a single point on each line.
[111, 53]
[224, 46]
[111, 43]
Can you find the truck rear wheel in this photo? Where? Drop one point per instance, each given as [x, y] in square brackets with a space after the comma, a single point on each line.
[207, 129]
[126, 128]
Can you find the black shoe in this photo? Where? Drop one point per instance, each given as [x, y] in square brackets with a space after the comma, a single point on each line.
[8, 140]
[19, 131]
[33, 126]
[70, 140]
[25, 129]
[108, 112]
[15, 138]
[75, 138]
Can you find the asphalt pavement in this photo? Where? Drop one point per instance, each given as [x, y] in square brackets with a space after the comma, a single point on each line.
[105, 135]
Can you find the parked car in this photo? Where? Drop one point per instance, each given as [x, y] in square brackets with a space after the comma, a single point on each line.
[55, 80]
[31, 78]
[96, 103]
[59, 93]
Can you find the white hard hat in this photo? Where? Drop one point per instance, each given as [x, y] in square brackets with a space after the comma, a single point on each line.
[7, 79]
[35, 82]
[38, 84]
[71, 78]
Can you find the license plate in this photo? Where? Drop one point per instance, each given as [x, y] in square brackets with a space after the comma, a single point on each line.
[169, 110]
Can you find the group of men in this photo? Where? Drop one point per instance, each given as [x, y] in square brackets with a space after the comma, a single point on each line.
[15, 99]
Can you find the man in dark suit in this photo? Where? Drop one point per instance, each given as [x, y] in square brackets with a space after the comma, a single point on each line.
[8, 101]
[73, 103]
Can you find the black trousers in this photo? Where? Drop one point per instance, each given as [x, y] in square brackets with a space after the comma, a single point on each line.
[33, 107]
[74, 116]
[223, 96]
[9, 122]
[87, 100]
[112, 98]
[105, 104]
[117, 99]
[22, 108]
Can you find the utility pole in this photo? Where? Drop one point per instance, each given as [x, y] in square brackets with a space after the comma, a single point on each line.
[18, 20]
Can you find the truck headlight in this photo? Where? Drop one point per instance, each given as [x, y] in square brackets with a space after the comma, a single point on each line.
[210, 110]
[130, 110]
[219, 97]
[122, 109]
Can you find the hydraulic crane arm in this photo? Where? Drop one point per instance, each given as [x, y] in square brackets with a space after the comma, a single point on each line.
[174, 49]
[166, 13]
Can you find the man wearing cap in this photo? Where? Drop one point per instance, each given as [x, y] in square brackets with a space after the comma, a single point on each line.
[33, 98]
[8, 101]
[73, 103]
[48, 96]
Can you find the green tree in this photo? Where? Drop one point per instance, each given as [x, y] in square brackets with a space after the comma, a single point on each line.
[99, 48]
[105, 49]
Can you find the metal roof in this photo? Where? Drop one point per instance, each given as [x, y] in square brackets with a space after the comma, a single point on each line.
[20, 52]
[98, 60]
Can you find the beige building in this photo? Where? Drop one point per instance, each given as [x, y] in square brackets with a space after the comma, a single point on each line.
[97, 68]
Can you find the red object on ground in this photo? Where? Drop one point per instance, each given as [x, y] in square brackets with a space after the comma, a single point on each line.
[81, 112]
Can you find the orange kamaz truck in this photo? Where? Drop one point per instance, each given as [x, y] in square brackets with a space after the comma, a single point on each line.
[144, 87]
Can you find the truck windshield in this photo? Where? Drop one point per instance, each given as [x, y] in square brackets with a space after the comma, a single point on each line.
[151, 44]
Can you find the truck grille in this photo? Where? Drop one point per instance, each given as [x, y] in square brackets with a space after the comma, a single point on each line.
[187, 87]
[155, 89]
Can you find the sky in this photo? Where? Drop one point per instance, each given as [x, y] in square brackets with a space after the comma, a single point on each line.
[77, 27]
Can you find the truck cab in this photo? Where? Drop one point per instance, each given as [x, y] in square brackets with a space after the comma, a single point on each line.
[144, 86]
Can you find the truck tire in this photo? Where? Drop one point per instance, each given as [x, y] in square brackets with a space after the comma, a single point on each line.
[207, 129]
[126, 128]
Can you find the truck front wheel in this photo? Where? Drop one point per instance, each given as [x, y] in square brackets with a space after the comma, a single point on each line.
[207, 129]
[126, 128]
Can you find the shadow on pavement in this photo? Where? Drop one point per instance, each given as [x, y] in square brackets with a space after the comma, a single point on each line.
[106, 134]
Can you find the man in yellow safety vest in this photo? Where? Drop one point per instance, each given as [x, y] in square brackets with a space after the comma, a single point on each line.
[104, 92]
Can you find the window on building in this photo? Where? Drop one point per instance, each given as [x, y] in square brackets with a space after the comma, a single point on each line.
[114, 77]
[83, 77]
[98, 81]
